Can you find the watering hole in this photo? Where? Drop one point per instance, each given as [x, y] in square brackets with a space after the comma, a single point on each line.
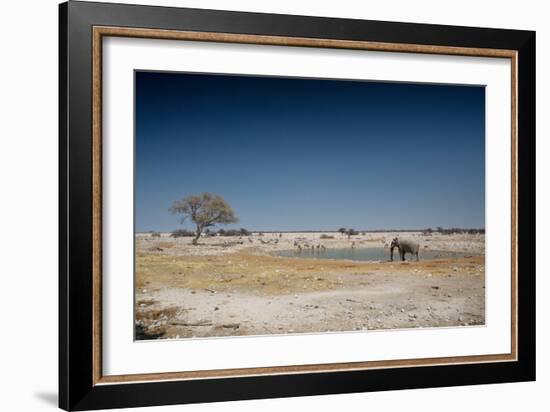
[368, 254]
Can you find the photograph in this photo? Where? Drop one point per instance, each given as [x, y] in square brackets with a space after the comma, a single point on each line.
[272, 205]
[275, 203]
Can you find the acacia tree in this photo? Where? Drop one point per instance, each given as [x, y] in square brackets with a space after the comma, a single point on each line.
[205, 210]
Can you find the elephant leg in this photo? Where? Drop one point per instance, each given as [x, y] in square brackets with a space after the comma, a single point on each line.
[403, 256]
[417, 256]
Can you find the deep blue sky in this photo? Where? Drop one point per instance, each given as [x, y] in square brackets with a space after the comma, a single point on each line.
[310, 154]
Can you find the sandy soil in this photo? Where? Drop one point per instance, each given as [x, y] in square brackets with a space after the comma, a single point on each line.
[234, 286]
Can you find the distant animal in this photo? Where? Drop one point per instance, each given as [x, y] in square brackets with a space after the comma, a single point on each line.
[404, 247]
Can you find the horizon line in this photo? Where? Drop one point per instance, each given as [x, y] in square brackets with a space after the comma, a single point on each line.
[322, 231]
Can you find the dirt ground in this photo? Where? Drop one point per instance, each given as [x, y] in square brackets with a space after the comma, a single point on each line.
[235, 286]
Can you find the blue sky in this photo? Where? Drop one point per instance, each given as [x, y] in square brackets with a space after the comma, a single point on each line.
[310, 154]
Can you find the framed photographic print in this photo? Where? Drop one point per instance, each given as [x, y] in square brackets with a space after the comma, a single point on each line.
[257, 205]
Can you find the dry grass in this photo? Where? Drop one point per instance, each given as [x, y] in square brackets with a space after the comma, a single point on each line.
[151, 323]
[146, 302]
[156, 314]
[243, 271]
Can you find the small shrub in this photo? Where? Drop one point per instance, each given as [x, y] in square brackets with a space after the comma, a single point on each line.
[327, 237]
[351, 232]
[233, 232]
[456, 230]
[182, 233]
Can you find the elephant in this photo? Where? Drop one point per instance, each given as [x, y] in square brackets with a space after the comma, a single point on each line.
[404, 246]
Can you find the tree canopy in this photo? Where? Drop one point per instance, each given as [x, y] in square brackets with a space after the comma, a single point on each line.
[205, 210]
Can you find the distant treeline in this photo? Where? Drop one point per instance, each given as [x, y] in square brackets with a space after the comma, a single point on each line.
[453, 230]
[208, 232]
[343, 231]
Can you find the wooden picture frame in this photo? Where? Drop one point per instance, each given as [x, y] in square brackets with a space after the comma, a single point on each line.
[83, 26]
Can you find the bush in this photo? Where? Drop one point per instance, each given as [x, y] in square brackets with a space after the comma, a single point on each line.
[182, 233]
[457, 230]
[233, 232]
[327, 237]
[155, 234]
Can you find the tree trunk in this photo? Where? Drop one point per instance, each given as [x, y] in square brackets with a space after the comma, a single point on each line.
[197, 235]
